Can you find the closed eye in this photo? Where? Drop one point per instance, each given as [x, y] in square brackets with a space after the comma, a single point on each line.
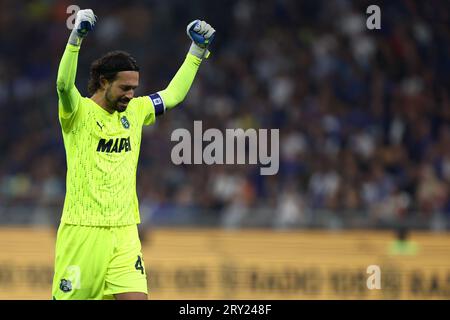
[126, 88]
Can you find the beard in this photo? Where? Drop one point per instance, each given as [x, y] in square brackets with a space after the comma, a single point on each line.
[119, 104]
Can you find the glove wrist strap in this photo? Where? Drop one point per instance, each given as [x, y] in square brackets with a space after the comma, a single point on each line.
[75, 39]
[198, 51]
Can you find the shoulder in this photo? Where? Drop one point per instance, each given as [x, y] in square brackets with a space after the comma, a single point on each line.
[143, 108]
[140, 102]
[141, 105]
[85, 103]
[72, 120]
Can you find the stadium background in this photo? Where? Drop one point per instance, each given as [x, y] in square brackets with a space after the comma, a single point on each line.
[364, 147]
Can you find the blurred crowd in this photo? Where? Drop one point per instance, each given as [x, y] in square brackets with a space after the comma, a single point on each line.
[364, 115]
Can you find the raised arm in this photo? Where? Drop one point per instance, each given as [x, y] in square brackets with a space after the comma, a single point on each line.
[67, 92]
[201, 34]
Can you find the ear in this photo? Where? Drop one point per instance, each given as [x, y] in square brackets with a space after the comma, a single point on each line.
[103, 82]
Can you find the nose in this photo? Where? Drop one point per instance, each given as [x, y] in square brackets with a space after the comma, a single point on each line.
[130, 94]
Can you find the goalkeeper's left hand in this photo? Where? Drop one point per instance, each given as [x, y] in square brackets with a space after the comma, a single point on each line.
[202, 35]
[84, 22]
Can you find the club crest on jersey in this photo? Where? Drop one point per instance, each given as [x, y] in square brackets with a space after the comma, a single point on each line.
[65, 285]
[125, 122]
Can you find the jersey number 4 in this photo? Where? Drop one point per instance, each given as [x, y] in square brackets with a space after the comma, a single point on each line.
[138, 265]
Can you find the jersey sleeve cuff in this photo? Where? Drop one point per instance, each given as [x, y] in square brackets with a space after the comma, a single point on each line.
[72, 48]
[193, 59]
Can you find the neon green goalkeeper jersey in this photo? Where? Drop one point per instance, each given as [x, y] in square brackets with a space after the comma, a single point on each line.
[102, 149]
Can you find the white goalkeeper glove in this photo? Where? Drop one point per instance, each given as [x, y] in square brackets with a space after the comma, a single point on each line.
[202, 35]
[84, 22]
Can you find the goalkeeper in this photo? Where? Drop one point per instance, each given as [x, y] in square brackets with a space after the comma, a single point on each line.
[98, 251]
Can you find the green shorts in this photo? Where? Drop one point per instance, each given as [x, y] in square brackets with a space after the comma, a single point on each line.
[97, 262]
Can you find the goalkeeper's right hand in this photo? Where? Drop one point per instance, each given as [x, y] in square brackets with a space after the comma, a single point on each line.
[84, 22]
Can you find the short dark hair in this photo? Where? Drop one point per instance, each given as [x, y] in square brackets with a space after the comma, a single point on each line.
[108, 66]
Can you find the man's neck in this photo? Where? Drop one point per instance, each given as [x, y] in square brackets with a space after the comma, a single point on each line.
[99, 99]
